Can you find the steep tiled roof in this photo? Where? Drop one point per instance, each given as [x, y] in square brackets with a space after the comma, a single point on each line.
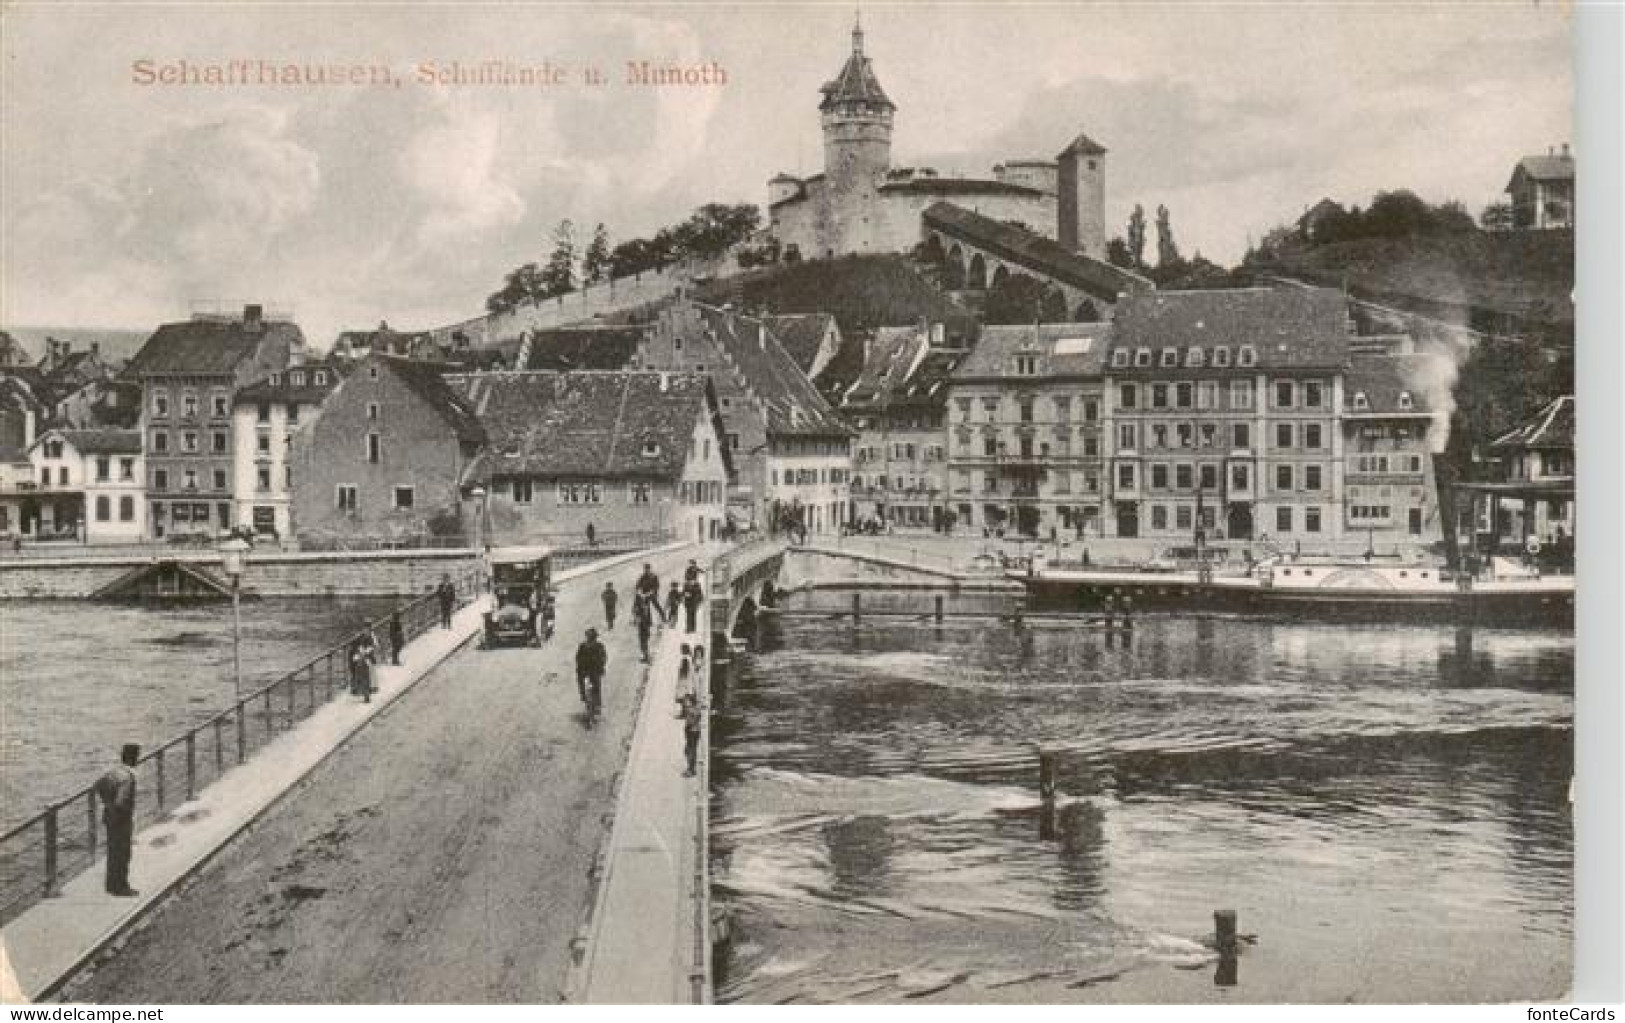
[1034, 251]
[959, 186]
[802, 335]
[17, 400]
[791, 403]
[856, 82]
[1545, 168]
[571, 348]
[1384, 378]
[103, 442]
[1551, 427]
[587, 423]
[208, 347]
[1287, 328]
[888, 359]
[13, 352]
[280, 386]
[1084, 145]
[1063, 350]
[428, 381]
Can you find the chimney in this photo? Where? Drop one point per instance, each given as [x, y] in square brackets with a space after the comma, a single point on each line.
[761, 335]
[253, 316]
[96, 348]
[936, 335]
[665, 382]
[1565, 149]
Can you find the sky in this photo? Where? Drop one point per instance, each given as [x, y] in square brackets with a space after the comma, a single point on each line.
[127, 203]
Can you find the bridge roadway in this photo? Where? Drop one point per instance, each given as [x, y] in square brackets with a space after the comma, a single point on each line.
[443, 855]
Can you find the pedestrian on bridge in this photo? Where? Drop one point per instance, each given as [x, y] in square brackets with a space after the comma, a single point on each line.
[643, 617]
[610, 600]
[689, 709]
[397, 637]
[692, 598]
[362, 658]
[674, 600]
[648, 588]
[448, 600]
[116, 790]
[591, 660]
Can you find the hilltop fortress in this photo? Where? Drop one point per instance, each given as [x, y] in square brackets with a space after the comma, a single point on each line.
[861, 203]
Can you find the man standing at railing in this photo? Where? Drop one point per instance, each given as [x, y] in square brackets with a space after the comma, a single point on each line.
[116, 790]
[448, 600]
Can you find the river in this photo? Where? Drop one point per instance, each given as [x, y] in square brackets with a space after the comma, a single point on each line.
[1385, 808]
[78, 679]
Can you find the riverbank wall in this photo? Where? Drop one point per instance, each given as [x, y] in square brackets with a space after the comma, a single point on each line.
[275, 574]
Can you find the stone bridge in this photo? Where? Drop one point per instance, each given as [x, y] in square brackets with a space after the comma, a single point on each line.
[742, 580]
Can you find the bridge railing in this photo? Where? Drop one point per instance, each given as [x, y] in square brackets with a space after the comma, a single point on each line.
[37, 855]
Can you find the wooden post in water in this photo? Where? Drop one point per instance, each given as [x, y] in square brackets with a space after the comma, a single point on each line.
[1224, 931]
[1046, 796]
[1128, 613]
[1111, 609]
[1018, 614]
[50, 852]
[857, 607]
[938, 601]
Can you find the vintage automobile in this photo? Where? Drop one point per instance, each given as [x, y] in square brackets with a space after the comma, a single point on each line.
[521, 579]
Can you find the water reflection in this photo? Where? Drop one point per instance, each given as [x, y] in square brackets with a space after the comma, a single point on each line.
[1386, 807]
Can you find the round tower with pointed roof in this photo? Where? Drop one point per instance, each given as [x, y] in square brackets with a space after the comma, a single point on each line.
[857, 118]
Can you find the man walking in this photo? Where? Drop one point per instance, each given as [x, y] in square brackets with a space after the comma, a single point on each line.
[649, 589]
[397, 637]
[591, 659]
[644, 618]
[448, 600]
[116, 790]
[674, 600]
[692, 596]
[610, 600]
[689, 709]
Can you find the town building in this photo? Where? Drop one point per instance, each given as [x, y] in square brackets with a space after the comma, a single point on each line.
[385, 458]
[1220, 413]
[812, 339]
[189, 372]
[567, 349]
[898, 405]
[1391, 428]
[21, 415]
[595, 452]
[351, 346]
[13, 353]
[1542, 191]
[90, 487]
[264, 418]
[1531, 508]
[790, 450]
[861, 203]
[1025, 423]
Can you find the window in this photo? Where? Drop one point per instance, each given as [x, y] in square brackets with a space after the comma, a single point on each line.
[1414, 462]
[404, 498]
[160, 404]
[1159, 516]
[990, 446]
[264, 412]
[1159, 477]
[262, 481]
[580, 493]
[1063, 409]
[1125, 437]
[1405, 401]
[346, 497]
[160, 480]
[964, 408]
[1283, 435]
[733, 442]
[1311, 520]
[1283, 477]
[1311, 436]
[1125, 476]
[990, 409]
[62, 475]
[638, 493]
[1026, 410]
[189, 441]
[1221, 356]
[189, 480]
[524, 492]
[1209, 433]
[293, 413]
[104, 467]
[262, 444]
[104, 508]
[1247, 356]
[1311, 394]
[1120, 358]
[1207, 394]
[699, 367]
[320, 378]
[126, 509]
[1183, 476]
[1241, 436]
[1184, 395]
[1209, 475]
[1026, 365]
[1240, 477]
[372, 411]
[221, 407]
[1182, 516]
[1170, 358]
[1241, 394]
[1142, 357]
[1361, 403]
[1283, 519]
[296, 378]
[990, 483]
[126, 468]
[676, 344]
[217, 442]
[1311, 477]
[1091, 410]
[1185, 434]
[372, 372]
[374, 449]
[1091, 446]
[189, 406]
[1283, 394]
[220, 479]
[1193, 357]
[1127, 396]
[1159, 395]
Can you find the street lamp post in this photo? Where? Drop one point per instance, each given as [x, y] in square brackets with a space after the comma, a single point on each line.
[232, 561]
[478, 494]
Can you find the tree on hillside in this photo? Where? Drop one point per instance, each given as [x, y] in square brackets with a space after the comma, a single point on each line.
[1397, 214]
[712, 229]
[1018, 298]
[1136, 237]
[1503, 381]
[637, 255]
[559, 276]
[1497, 216]
[595, 263]
[523, 284]
[1167, 251]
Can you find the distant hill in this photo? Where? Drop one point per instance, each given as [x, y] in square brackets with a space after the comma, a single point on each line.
[117, 345]
[1501, 282]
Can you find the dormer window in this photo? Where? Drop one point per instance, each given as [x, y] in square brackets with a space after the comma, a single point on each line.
[1120, 358]
[651, 449]
[1361, 403]
[1193, 357]
[321, 377]
[1170, 358]
[1248, 356]
[276, 378]
[1405, 401]
[296, 379]
[1026, 365]
[1221, 356]
[1142, 357]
